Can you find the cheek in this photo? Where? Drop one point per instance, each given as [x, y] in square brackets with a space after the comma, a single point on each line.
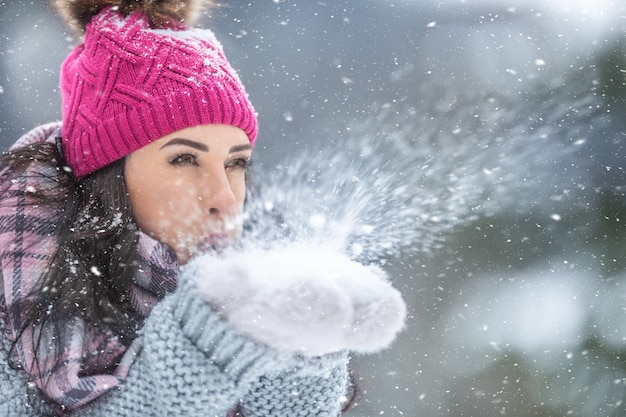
[147, 210]
[171, 203]
[153, 202]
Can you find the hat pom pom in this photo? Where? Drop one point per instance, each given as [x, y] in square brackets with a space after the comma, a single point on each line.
[78, 13]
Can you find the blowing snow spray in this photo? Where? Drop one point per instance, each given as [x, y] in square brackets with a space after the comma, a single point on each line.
[399, 180]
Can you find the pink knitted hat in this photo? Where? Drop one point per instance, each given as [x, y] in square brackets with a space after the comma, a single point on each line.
[129, 84]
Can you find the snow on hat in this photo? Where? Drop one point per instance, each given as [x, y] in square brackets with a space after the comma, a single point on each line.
[129, 84]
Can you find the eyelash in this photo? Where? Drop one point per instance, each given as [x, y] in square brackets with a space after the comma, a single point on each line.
[178, 159]
[243, 162]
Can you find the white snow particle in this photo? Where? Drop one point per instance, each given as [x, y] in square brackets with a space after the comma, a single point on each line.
[317, 220]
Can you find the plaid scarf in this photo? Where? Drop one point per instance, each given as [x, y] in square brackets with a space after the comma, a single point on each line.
[93, 361]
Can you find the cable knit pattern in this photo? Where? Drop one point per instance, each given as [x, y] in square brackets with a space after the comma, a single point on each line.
[129, 84]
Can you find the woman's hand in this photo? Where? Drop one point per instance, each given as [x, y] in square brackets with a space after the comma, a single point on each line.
[302, 300]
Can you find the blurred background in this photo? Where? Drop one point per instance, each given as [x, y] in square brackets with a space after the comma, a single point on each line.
[510, 118]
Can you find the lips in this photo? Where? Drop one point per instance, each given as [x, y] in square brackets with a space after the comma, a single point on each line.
[214, 242]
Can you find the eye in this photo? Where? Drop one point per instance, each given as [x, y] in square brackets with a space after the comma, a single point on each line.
[185, 158]
[239, 163]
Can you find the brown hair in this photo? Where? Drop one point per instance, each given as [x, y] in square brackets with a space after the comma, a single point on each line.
[92, 269]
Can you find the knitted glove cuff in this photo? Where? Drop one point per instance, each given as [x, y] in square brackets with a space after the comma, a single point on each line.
[235, 354]
[314, 387]
[321, 366]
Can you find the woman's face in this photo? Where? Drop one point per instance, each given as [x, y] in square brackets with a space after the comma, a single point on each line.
[187, 189]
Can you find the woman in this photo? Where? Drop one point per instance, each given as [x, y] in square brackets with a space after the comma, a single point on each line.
[146, 172]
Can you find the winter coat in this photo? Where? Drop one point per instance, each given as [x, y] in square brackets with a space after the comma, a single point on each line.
[187, 361]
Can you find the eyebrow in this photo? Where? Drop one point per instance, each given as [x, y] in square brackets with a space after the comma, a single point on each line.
[239, 148]
[187, 142]
[201, 146]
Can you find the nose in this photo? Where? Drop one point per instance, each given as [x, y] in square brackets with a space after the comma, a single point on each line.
[217, 196]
